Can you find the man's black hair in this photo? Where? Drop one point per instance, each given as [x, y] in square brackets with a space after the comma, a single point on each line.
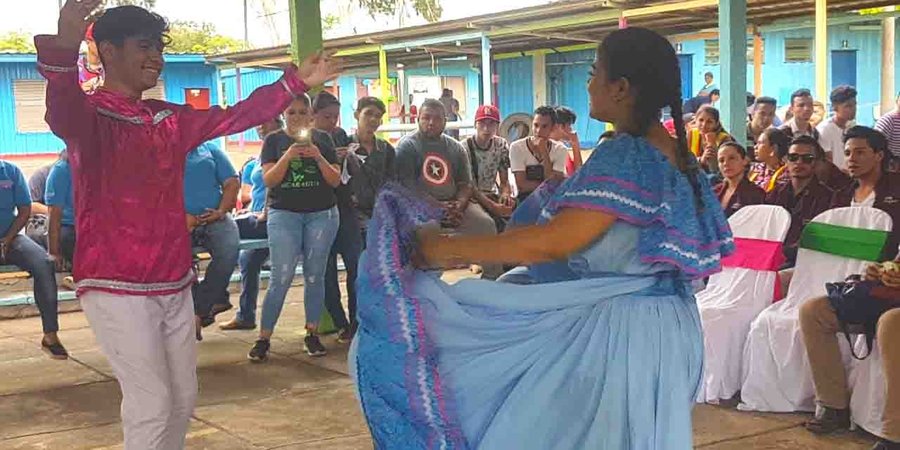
[874, 138]
[324, 99]
[366, 102]
[433, 104]
[766, 101]
[812, 142]
[565, 116]
[842, 94]
[800, 93]
[118, 24]
[715, 92]
[708, 74]
[547, 111]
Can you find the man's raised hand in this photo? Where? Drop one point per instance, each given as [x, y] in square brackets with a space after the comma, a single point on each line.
[74, 18]
[318, 68]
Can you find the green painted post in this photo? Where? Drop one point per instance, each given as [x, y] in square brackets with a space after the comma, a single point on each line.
[306, 28]
[306, 39]
[733, 63]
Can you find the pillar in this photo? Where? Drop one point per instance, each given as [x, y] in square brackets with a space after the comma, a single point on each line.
[487, 78]
[821, 59]
[539, 78]
[384, 81]
[306, 28]
[888, 29]
[757, 62]
[733, 59]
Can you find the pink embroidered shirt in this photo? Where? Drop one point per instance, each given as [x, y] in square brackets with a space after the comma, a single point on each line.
[127, 158]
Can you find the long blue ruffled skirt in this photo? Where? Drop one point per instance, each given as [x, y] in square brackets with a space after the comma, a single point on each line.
[611, 362]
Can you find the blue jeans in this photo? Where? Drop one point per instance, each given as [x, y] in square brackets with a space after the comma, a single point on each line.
[223, 242]
[251, 263]
[33, 259]
[348, 244]
[293, 236]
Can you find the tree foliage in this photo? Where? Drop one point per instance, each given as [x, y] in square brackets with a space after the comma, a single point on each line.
[429, 9]
[16, 42]
[200, 38]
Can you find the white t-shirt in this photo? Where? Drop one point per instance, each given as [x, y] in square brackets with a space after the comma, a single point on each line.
[869, 201]
[831, 138]
[520, 156]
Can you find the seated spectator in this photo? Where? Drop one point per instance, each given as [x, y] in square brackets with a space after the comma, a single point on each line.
[820, 328]
[872, 185]
[564, 133]
[61, 204]
[692, 105]
[771, 149]
[252, 225]
[211, 188]
[801, 113]
[537, 158]
[489, 157]
[804, 196]
[709, 85]
[707, 137]
[299, 166]
[831, 131]
[761, 118]
[736, 191]
[828, 173]
[432, 162]
[889, 125]
[37, 225]
[18, 249]
[348, 242]
[370, 159]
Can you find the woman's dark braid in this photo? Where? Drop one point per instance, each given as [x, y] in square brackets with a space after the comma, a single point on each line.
[686, 164]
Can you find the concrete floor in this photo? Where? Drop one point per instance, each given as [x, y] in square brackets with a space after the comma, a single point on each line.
[291, 402]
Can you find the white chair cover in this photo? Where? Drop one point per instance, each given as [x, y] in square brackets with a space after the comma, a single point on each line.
[777, 376]
[732, 299]
[866, 382]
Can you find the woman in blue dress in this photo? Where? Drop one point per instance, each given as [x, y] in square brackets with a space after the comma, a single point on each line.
[603, 349]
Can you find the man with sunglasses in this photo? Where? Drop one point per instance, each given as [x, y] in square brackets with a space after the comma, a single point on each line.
[804, 196]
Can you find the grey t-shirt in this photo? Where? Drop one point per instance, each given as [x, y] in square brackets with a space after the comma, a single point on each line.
[436, 165]
[38, 183]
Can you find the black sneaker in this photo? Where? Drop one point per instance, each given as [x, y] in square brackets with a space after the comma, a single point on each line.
[829, 420]
[345, 336]
[260, 351]
[56, 350]
[884, 444]
[313, 346]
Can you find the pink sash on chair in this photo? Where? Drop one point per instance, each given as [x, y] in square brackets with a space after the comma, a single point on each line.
[758, 254]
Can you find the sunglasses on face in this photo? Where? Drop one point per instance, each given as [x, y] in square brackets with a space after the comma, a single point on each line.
[794, 157]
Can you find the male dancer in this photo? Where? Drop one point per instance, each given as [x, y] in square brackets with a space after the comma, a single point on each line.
[133, 268]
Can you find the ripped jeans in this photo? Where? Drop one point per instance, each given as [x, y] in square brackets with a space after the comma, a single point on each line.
[292, 237]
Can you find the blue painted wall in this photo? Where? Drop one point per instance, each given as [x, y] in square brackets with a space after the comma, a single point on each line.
[181, 72]
[515, 92]
[250, 80]
[567, 76]
[780, 79]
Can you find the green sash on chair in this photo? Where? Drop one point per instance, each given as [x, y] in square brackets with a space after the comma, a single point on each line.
[856, 243]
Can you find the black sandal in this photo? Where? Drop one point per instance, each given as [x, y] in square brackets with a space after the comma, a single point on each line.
[55, 350]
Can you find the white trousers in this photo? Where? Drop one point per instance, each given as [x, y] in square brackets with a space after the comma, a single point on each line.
[151, 345]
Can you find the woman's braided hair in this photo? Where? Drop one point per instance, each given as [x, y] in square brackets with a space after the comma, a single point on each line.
[649, 63]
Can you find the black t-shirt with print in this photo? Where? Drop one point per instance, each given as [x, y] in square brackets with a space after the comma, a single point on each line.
[303, 188]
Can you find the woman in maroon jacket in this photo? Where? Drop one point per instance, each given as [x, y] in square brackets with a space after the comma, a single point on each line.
[736, 191]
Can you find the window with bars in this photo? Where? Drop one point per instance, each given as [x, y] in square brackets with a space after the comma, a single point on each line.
[30, 106]
[798, 50]
[711, 51]
[157, 93]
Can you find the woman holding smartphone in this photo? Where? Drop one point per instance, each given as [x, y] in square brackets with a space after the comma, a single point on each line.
[300, 169]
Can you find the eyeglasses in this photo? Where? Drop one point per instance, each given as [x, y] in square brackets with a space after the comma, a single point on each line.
[794, 157]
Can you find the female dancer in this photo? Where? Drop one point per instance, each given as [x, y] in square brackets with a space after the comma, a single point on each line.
[609, 358]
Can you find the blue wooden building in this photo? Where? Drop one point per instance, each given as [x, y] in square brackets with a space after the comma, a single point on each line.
[186, 79]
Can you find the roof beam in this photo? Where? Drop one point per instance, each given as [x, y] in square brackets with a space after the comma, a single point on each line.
[555, 24]
[669, 7]
[434, 40]
[563, 36]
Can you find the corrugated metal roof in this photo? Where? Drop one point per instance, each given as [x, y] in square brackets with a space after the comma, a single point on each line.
[554, 25]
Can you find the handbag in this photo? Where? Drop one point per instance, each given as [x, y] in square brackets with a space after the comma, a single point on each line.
[860, 302]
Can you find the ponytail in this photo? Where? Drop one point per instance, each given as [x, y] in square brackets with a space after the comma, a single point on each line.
[685, 163]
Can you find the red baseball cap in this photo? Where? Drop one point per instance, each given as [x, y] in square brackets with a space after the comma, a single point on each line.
[487, 112]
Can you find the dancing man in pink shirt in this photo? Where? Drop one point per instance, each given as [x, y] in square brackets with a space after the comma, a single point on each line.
[127, 156]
